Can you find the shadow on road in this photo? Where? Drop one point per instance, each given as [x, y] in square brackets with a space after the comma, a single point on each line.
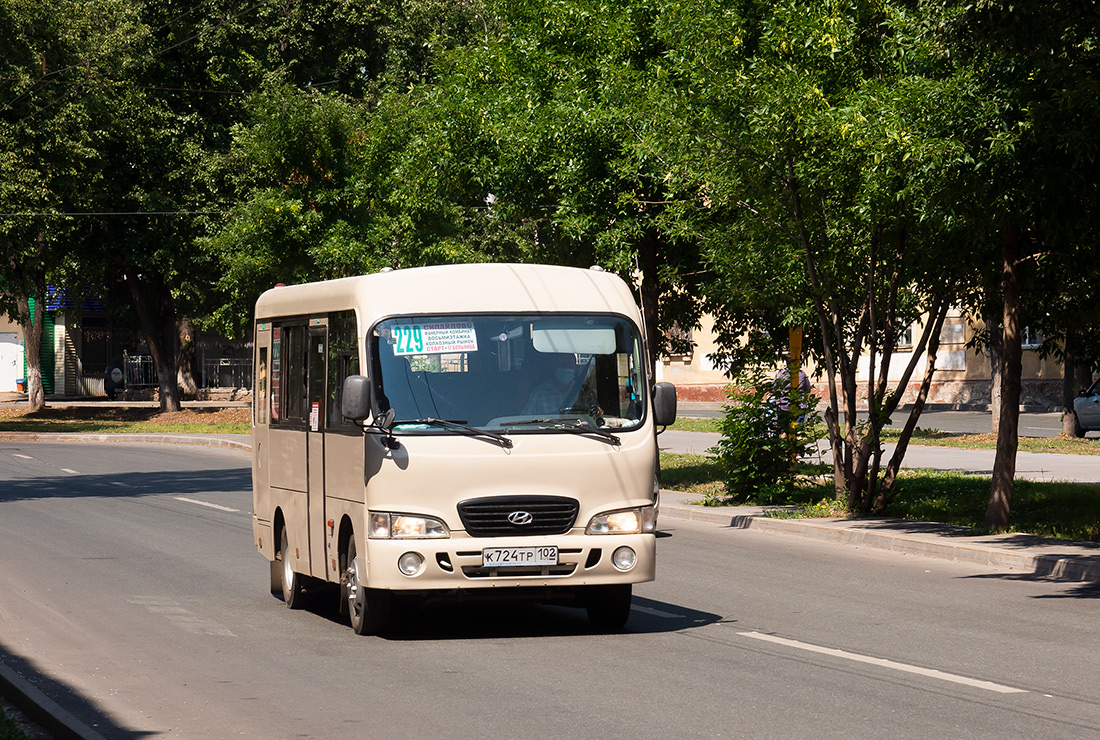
[465, 620]
[123, 485]
[78, 715]
[1080, 590]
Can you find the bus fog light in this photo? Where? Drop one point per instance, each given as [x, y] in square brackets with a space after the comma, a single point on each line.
[410, 563]
[624, 558]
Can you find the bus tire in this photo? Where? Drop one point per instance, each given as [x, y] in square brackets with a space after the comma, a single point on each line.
[370, 610]
[609, 606]
[291, 582]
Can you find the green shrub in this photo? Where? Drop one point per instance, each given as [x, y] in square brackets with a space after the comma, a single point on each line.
[757, 452]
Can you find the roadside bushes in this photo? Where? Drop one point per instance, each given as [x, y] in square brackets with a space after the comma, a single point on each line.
[766, 429]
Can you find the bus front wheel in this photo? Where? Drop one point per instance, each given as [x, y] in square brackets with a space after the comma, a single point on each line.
[609, 606]
[291, 582]
[369, 609]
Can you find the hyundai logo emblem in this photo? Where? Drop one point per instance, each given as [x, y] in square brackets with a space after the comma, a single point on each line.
[520, 518]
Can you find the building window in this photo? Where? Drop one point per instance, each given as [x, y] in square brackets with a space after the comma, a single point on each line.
[1030, 338]
[681, 344]
[905, 339]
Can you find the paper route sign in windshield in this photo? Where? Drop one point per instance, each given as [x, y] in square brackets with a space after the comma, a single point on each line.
[434, 338]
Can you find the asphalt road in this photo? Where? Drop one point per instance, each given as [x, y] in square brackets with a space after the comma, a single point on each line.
[131, 593]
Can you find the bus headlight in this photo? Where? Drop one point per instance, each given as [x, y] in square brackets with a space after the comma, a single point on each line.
[625, 521]
[385, 525]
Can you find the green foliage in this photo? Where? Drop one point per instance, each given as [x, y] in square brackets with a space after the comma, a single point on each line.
[762, 440]
[299, 215]
[562, 99]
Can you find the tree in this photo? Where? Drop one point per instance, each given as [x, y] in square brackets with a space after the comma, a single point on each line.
[825, 132]
[1032, 67]
[51, 86]
[564, 96]
[158, 90]
[328, 181]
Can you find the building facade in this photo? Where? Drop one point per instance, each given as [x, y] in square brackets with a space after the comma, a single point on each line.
[962, 377]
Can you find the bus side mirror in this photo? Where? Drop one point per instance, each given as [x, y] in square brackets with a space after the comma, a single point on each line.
[355, 402]
[664, 404]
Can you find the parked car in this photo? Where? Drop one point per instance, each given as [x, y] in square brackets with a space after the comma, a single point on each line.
[1086, 411]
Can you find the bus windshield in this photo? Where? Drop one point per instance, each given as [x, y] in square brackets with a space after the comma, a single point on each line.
[509, 372]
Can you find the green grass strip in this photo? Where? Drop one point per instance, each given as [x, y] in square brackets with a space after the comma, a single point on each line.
[1052, 509]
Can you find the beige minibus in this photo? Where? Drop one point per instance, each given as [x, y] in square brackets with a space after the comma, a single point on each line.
[456, 431]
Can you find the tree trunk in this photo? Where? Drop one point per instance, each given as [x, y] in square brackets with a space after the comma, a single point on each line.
[1076, 377]
[1004, 465]
[32, 348]
[156, 315]
[1069, 388]
[185, 358]
[1083, 371]
[651, 295]
[996, 346]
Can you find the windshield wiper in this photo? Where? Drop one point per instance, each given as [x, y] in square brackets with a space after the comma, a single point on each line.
[601, 433]
[557, 424]
[461, 427]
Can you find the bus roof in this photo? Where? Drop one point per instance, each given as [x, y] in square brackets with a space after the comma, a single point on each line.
[467, 288]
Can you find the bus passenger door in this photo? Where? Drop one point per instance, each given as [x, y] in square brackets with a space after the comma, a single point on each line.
[315, 445]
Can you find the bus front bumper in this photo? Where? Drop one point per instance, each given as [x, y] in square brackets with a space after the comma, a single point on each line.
[464, 563]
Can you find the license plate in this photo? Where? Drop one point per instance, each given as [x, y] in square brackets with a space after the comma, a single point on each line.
[504, 557]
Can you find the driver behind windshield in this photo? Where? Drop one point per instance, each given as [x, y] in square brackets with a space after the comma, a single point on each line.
[566, 389]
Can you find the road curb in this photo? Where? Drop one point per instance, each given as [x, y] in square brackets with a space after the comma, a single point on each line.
[41, 709]
[1065, 567]
[130, 438]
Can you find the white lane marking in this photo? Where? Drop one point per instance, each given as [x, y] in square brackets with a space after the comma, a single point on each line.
[655, 612]
[70, 471]
[206, 504]
[928, 672]
[120, 484]
[22, 457]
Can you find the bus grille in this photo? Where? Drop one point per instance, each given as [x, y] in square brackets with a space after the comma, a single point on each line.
[489, 517]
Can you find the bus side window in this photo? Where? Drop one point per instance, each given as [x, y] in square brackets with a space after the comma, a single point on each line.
[289, 402]
[294, 374]
[343, 360]
[276, 373]
[261, 403]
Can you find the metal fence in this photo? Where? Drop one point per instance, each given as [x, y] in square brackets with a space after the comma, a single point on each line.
[227, 372]
[224, 372]
[140, 371]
